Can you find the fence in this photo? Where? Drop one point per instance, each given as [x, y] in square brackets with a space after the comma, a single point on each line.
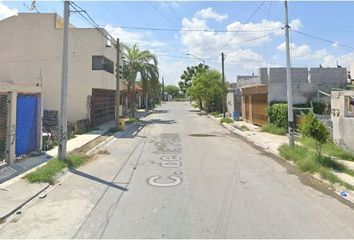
[4, 106]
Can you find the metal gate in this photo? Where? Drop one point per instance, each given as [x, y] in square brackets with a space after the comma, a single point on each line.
[26, 124]
[259, 106]
[102, 106]
[4, 106]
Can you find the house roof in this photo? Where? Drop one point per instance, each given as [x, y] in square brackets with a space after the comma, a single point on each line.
[124, 87]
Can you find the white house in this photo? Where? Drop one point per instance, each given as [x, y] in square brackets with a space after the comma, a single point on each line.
[31, 54]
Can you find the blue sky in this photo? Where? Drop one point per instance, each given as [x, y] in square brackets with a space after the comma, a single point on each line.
[260, 42]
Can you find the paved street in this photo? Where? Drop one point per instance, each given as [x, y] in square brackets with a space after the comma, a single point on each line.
[182, 175]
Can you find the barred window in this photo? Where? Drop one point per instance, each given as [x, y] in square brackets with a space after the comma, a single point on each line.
[349, 106]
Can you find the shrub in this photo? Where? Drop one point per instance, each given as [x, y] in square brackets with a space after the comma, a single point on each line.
[313, 128]
[271, 128]
[226, 120]
[278, 115]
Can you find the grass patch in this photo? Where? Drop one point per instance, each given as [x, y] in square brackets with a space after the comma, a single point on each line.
[330, 149]
[132, 120]
[113, 130]
[273, 129]
[307, 161]
[226, 120]
[244, 128]
[215, 114]
[49, 171]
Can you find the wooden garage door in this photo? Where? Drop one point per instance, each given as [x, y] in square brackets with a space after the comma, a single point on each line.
[102, 106]
[259, 106]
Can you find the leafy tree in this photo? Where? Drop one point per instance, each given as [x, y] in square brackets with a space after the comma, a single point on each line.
[172, 90]
[313, 128]
[137, 61]
[188, 75]
[207, 88]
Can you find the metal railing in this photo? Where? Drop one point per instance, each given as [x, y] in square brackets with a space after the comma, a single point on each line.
[4, 106]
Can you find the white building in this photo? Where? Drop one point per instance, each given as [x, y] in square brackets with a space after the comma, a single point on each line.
[31, 54]
[342, 114]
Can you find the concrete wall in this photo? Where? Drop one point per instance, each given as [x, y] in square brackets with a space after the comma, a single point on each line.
[247, 80]
[30, 53]
[343, 126]
[305, 83]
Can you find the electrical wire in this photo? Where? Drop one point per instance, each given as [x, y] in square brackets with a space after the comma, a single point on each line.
[192, 30]
[85, 16]
[322, 39]
[237, 32]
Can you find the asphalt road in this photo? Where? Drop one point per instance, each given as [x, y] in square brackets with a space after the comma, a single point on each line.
[182, 175]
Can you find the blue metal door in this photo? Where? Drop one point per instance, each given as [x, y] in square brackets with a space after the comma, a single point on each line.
[26, 124]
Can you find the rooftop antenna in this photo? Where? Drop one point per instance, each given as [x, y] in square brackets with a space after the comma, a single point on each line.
[33, 6]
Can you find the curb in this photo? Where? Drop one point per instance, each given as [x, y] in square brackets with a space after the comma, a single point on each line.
[24, 203]
[90, 152]
[248, 137]
[97, 148]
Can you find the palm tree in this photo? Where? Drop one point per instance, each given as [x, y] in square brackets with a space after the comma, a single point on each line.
[138, 61]
[149, 72]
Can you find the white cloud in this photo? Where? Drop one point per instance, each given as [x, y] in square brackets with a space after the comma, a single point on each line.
[245, 58]
[335, 44]
[143, 39]
[6, 12]
[304, 52]
[171, 71]
[210, 13]
[208, 44]
[346, 60]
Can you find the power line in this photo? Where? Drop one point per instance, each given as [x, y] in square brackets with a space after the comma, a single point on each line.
[192, 30]
[322, 39]
[162, 14]
[90, 21]
[237, 32]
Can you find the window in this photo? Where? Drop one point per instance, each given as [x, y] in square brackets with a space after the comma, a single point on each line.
[102, 63]
[349, 106]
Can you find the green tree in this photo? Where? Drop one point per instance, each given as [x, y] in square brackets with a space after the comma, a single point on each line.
[207, 87]
[172, 90]
[188, 74]
[313, 128]
[137, 61]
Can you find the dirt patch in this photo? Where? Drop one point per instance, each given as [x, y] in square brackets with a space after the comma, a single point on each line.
[87, 147]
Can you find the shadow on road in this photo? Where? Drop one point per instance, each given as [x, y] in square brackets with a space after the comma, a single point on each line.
[161, 111]
[158, 121]
[93, 178]
[194, 110]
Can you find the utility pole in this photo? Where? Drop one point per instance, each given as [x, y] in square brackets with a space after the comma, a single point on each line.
[64, 87]
[288, 80]
[163, 89]
[118, 78]
[223, 84]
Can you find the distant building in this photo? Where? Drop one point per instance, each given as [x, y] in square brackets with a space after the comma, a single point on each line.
[269, 86]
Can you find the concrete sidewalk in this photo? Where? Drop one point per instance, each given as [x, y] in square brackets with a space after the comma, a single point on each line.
[271, 142]
[15, 191]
